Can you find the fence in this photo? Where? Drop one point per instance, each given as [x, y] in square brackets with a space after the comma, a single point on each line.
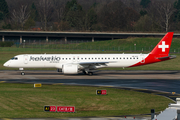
[79, 45]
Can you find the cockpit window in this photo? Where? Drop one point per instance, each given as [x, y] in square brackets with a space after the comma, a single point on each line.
[14, 58]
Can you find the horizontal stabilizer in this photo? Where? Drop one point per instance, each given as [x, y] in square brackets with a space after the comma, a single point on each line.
[171, 57]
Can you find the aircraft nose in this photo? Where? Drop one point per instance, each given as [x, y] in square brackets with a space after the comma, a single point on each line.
[6, 64]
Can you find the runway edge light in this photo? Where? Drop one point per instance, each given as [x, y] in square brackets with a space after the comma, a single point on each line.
[37, 85]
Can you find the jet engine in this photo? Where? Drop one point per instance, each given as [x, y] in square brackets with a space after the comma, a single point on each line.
[70, 69]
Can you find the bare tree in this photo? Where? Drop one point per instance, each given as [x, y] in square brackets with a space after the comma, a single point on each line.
[45, 9]
[134, 4]
[162, 14]
[59, 9]
[21, 16]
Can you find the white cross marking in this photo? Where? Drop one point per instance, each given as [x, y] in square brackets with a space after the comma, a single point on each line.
[163, 46]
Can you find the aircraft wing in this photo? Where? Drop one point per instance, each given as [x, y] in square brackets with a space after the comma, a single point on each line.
[93, 63]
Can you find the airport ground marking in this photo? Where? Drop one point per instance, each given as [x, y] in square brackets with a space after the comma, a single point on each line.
[175, 96]
[58, 84]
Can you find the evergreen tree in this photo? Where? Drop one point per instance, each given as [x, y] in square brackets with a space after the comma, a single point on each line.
[145, 3]
[91, 19]
[74, 14]
[33, 17]
[4, 8]
[34, 12]
[143, 12]
[1, 15]
[177, 13]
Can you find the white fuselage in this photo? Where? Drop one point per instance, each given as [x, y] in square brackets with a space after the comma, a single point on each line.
[58, 60]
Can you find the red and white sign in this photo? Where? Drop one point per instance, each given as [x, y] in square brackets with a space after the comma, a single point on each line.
[103, 92]
[52, 109]
[65, 109]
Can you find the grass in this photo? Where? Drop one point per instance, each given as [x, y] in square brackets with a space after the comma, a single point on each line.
[121, 45]
[24, 101]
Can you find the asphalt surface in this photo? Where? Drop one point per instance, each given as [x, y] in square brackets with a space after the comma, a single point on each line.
[142, 75]
[154, 82]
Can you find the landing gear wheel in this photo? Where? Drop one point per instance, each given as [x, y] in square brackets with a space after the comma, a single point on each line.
[90, 73]
[84, 72]
[22, 73]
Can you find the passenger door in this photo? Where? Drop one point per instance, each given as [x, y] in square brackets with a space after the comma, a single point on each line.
[25, 59]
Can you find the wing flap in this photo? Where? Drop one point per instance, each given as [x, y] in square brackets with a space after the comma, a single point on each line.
[93, 63]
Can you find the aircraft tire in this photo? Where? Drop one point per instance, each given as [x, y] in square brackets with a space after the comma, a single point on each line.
[84, 72]
[22, 73]
[90, 73]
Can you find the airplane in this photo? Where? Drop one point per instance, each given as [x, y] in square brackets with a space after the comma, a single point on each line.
[86, 63]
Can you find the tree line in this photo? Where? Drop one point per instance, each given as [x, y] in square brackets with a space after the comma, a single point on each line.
[92, 15]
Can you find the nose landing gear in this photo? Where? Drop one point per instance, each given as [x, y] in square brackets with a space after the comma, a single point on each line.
[22, 73]
[22, 69]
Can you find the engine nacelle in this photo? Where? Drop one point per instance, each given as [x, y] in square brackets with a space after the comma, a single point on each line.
[70, 69]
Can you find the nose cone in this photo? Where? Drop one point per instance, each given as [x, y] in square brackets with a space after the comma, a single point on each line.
[6, 64]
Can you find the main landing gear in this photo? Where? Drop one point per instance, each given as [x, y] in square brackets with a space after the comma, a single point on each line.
[90, 73]
[87, 72]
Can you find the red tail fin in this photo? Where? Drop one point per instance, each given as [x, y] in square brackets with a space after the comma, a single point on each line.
[163, 47]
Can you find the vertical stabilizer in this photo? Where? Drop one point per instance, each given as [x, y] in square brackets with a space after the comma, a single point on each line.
[163, 47]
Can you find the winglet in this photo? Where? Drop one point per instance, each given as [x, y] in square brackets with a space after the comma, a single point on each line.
[163, 47]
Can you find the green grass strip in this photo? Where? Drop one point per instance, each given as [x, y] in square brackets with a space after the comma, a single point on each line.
[25, 101]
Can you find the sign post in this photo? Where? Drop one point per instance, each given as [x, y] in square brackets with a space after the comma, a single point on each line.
[50, 108]
[101, 92]
[37, 85]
